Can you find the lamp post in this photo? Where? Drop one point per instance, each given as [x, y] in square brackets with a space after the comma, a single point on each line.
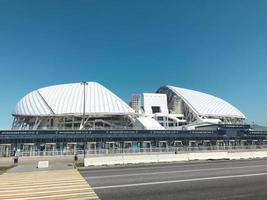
[84, 83]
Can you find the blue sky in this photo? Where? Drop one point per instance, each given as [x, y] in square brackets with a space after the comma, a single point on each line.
[215, 46]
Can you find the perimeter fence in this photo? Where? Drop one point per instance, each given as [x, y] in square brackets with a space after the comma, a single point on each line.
[100, 152]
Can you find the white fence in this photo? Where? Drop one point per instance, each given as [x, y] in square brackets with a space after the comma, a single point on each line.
[118, 151]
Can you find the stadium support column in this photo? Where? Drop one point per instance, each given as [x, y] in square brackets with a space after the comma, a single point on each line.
[14, 123]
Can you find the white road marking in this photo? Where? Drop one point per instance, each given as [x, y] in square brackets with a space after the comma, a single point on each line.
[45, 192]
[45, 188]
[178, 181]
[171, 172]
[38, 184]
[58, 185]
[58, 195]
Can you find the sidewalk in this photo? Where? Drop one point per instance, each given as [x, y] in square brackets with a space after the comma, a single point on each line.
[27, 164]
[30, 164]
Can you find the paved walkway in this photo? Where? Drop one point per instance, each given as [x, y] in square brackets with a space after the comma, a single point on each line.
[30, 163]
[52, 184]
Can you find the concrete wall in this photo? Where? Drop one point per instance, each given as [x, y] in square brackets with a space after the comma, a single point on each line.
[155, 158]
[208, 155]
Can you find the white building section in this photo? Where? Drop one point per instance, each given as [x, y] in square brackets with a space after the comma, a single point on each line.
[156, 107]
[200, 107]
[147, 123]
[155, 103]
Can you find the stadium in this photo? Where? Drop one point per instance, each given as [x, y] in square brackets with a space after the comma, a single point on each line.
[88, 118]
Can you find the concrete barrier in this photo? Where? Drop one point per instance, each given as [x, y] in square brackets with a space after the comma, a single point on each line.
[208, 155]
[103, 160]
[171, 157]
[132, 159]
[259, 154]
[240, 155]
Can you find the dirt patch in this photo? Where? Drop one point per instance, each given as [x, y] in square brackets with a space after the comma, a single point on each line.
[4, 169]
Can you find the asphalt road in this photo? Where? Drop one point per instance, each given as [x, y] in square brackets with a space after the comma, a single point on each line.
[220, 180]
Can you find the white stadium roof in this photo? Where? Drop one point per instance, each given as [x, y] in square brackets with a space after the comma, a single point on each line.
[68, 99]
[206, 105]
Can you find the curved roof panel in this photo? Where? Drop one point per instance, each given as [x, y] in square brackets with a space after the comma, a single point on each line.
[69, 99]
[206, 104]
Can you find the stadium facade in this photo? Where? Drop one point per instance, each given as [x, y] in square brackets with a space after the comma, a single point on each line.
[91, 106]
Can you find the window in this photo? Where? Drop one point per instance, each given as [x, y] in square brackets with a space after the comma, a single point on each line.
[155, 109]
[182, 123]
[160, 118]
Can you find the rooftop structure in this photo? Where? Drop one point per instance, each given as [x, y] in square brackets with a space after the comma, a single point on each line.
[71, 106]
[201, 107]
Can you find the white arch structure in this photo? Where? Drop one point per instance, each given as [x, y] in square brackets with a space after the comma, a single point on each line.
[86, 105]
[201, 107]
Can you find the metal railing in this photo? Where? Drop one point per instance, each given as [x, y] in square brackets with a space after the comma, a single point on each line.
[115, 151]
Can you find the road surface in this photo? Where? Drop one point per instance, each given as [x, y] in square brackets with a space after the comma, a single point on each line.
[216, 180]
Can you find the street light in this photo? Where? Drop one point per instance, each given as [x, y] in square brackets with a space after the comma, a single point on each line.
[84, 83]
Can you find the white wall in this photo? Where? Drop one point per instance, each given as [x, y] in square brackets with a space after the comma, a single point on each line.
[171, 157]
[152, 99]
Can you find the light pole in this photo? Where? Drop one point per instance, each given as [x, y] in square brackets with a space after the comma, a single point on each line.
[84, 83]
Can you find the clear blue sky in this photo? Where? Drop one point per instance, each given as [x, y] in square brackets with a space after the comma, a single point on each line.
[215, 46]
